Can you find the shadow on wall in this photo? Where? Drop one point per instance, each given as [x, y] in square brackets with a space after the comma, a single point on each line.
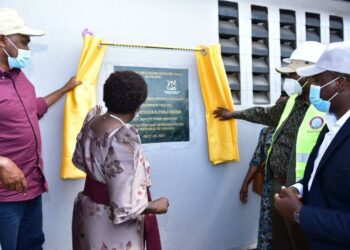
[245, 247]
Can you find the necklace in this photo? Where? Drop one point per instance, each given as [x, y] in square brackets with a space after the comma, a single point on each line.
[116, 117]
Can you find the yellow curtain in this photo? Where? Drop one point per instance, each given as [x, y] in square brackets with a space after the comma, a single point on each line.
[79, 101]
[222, 135]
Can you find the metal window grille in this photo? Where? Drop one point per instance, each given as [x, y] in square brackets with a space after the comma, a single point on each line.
[336, 29]
[229, 40]
[313, 27]
[260, 55]
[287, 35]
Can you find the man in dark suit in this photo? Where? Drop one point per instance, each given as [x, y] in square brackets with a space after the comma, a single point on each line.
[324, 212]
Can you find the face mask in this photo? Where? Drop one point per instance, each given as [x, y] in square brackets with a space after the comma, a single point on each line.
[22, 59]
[292, 86]
[317, 101]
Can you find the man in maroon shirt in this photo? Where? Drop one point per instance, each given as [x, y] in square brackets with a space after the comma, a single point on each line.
[22, 180]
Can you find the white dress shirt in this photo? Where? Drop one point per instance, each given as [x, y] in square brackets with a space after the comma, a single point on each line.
[334, 126]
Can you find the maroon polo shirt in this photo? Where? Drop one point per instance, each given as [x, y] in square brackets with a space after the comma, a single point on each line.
[20, 138]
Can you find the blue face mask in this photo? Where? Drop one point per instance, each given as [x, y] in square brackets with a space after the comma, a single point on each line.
[22, 59]
[317, 101]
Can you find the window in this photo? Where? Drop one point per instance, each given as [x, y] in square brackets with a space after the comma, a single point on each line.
[336, 29]
[312, 25]
[229, 40]
[287, 34]
[260, 55]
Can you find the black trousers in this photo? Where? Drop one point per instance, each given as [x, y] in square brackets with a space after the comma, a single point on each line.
[286, 235]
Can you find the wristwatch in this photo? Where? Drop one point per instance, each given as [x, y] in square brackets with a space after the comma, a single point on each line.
[296, 215]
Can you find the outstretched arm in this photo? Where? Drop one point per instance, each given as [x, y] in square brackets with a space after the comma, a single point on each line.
[269, 116]
[56, 95]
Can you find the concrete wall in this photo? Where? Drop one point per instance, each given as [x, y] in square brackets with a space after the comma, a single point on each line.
[205, 212]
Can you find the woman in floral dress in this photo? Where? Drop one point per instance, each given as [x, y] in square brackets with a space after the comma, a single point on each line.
[109, 213]
[259, 156]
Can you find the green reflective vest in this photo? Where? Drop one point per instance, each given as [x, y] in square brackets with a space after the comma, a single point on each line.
[308, 133]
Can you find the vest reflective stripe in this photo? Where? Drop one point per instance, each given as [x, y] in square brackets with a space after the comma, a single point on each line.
[308, 133]
[302, 157]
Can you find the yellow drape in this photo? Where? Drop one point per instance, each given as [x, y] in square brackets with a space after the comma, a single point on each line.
[222, 135]
[79, 101]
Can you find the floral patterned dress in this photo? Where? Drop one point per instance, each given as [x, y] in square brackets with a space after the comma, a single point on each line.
[116, 160]
[260, 155]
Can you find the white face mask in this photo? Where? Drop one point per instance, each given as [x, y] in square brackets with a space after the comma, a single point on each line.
[292, 86]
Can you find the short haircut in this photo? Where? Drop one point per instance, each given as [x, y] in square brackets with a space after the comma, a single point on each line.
[347, 76]
[124, 92]
[337, 74]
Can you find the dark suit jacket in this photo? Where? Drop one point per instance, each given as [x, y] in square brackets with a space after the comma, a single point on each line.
[325, 216]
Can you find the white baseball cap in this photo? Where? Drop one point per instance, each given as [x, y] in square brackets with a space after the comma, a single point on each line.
[335, 58]
[11, 23]
[307, 53]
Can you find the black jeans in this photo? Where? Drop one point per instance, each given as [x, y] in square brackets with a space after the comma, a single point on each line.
[286, 235]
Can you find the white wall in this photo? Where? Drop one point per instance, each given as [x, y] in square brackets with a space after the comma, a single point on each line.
[205, 212]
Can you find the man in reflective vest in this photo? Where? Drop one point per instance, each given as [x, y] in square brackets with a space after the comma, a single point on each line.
[298, 125]
[324, 213]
